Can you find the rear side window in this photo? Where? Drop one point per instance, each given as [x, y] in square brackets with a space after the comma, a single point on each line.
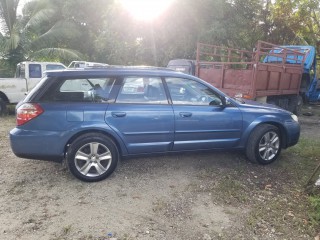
[147, 90]
[80, 90]
[35, 71]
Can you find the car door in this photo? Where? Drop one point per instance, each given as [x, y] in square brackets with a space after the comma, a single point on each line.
[142, 117]
[201, 119]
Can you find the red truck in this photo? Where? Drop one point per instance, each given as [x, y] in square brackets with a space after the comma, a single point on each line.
[269, 73]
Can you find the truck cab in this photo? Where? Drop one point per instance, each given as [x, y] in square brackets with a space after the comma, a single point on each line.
[84, 64]
[310, 85]
[183, 65]
[34, 71]
[27, 75]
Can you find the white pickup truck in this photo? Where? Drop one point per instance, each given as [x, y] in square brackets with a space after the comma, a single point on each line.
[28, 74]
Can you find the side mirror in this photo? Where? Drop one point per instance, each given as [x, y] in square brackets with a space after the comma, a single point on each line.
[221, 101]
[228, 102]
[224, 101]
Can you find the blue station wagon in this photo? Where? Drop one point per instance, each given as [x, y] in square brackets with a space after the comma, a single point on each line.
[93, 117]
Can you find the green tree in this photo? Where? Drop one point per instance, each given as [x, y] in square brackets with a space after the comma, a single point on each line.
[40, 34]
[295, 22]
[90, 19]
[117, 38]
[104, 31]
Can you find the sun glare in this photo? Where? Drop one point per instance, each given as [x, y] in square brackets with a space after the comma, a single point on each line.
[146, 10]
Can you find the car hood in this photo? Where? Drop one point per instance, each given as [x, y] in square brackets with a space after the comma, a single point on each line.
[262, 106]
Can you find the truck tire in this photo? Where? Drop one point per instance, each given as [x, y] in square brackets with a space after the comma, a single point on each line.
[3, 107]
[295, 104]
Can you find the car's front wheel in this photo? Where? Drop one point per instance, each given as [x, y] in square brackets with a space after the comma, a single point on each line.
[264, 144]
[92, 157]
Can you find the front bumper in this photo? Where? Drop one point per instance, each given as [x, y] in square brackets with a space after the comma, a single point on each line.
[293, 133]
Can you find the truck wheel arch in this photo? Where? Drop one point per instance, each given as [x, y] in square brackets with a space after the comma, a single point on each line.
[4, 97]
[3, 103]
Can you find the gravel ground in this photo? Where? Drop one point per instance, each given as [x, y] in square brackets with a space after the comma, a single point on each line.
[184, 196]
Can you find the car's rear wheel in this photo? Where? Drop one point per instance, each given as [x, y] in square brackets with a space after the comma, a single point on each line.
[264, 144]
[92, 157]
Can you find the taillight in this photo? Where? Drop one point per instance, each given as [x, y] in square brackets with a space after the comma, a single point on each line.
[28, 111]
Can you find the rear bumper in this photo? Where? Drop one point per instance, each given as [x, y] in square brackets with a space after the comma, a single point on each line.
[29, 144]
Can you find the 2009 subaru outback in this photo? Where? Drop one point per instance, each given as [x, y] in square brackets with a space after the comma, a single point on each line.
[92, 117]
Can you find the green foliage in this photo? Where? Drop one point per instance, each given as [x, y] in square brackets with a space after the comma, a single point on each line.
[315, 204]
[41, 33]
[8, 11]
[309, 149]
[6, 70]
[295, 22]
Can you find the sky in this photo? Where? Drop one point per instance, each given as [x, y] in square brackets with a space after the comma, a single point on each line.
[20, 6]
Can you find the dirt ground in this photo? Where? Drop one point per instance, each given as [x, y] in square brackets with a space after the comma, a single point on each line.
[184, 196]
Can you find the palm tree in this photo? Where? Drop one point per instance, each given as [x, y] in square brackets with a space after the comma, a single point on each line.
[8, 12]
[39, 34]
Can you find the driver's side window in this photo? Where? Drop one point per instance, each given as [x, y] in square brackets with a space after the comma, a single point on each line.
[190, 92]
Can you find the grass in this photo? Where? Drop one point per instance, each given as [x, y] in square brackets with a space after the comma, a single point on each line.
[309, 151]
[308, 148]
[315, 204]
[274, 195]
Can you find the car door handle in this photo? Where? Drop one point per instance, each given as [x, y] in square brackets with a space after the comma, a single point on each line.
[118, 114]
[185, 114]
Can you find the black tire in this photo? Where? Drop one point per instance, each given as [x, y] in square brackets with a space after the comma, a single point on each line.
[92, 157]
[264, 144]
[3, 107]
[295, 104]
[298, 106]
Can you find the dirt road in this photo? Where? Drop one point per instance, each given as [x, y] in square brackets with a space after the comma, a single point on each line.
[185, 196]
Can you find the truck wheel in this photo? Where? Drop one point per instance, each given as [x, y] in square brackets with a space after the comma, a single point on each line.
[264, 144]
[295, 104]
[3, 107]
[92, 157]
[298, 107]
